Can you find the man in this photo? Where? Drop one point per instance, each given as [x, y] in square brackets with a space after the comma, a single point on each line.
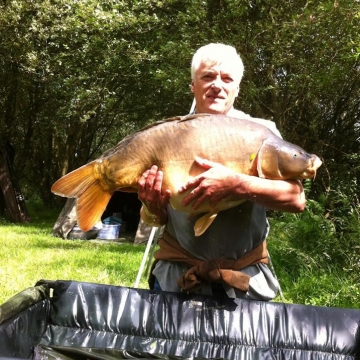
[229, 256]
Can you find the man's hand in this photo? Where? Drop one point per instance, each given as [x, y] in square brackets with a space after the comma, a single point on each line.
[150, 193]
[215, 184]
[219, 182]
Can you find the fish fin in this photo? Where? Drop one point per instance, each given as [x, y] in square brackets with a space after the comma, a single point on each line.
[254, 171]
[202, 224]
[179, 119]
[259, 169]
[267, 162]
[73, 184]
[92, 198]
[172, 119]
[91, 205]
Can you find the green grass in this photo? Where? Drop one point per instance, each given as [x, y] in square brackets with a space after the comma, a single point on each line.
[308, 270]
[313, 266]
[29, 252]
[314, 284]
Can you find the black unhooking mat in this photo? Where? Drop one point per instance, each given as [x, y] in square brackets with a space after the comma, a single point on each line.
[75, 320]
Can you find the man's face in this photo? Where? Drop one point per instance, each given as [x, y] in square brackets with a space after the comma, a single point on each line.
[215, 88]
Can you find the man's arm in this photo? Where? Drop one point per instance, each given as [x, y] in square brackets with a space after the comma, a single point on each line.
[219, 182]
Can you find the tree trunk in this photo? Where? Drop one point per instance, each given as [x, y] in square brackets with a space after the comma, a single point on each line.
[13, 198]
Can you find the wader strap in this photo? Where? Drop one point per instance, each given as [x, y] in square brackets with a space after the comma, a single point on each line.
[224, 271]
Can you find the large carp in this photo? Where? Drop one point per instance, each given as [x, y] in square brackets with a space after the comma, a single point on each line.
[242, 145]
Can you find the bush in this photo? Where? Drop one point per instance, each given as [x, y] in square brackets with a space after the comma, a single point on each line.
[317, 251]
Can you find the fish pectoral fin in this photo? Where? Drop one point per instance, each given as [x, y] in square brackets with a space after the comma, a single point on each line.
[202, 224]
[254, 171]
[268, 161]
[91, 205]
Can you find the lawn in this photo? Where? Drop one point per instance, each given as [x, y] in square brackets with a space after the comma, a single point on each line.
[29, 252]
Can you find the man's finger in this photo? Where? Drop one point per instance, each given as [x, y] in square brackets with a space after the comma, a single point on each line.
[199, 201]
[191, 184]
[158, 180]
[190, 197]
[152, 171]
[151, 177]
[166, 198]
[142, 180]
[205, 163]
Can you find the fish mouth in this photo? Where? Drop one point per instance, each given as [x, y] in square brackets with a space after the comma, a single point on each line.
[312, 169]
[317, 162]
[309, 174]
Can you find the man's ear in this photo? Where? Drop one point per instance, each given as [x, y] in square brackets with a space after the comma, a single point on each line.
[192, 86]
[237, 91]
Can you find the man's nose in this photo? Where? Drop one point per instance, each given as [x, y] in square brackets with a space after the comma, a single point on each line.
[217, 83]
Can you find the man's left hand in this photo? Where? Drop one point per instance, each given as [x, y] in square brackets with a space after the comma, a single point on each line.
[215, 184]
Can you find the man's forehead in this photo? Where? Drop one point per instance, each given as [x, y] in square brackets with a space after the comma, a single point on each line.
[217, 66]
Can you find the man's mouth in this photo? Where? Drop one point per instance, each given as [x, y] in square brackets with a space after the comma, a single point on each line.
[214, 96]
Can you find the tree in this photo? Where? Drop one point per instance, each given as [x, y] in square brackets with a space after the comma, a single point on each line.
[76, 77]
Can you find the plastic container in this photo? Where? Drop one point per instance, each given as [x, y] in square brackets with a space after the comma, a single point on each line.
[109, 232]
[112, 220]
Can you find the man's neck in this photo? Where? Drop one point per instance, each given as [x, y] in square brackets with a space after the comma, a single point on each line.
[235, 113]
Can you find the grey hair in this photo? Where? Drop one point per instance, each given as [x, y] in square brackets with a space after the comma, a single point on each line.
[217, 53]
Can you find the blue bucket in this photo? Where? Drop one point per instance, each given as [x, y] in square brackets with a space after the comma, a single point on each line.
[109, 232]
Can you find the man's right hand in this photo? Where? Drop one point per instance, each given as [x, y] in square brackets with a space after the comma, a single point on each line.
[150, 194]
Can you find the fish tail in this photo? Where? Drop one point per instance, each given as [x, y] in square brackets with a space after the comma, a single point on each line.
[91, 205]
[73, 184]
[202, 224]
[92, 198]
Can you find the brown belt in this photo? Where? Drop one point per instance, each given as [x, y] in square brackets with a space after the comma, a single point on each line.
[225, 271]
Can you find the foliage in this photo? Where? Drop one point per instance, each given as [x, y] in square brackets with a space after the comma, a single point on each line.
[322, 262]
[73, 72]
